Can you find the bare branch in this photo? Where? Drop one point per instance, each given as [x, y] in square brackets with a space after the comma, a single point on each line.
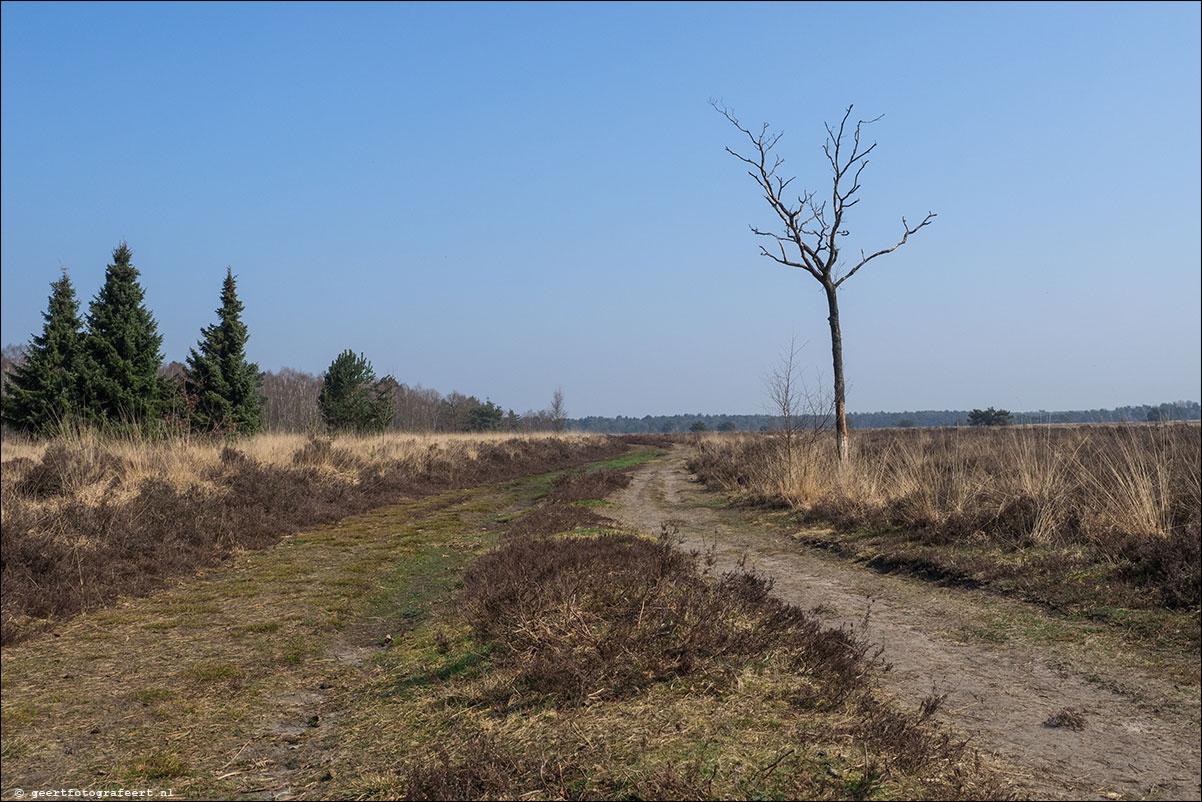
[797, 219]
[784, 257]
[865, 259]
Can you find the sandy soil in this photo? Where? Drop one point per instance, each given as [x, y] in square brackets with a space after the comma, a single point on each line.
[1140, 733]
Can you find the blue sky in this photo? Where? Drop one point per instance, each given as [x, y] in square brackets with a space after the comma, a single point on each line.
[503, 198]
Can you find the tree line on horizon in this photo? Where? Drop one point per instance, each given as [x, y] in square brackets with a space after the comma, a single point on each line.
[655, 424]
[105, 370]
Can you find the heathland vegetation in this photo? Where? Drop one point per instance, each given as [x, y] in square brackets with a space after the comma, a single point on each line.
[504, 642]
[1099, 519]
[90, 517]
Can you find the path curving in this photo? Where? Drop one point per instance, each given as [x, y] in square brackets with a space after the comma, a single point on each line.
[1140, 738]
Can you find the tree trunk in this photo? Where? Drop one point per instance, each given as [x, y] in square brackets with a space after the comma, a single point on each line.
[832, 302]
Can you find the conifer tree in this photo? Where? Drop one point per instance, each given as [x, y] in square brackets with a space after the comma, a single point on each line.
[221, 386]
[42, 391]
[120, 360]
[351, 398]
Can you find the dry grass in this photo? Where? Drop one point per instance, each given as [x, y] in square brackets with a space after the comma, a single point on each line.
[275, 679]
[85, 518]
[182, 462]
[1112, 507]
[596, 664]
[215, 678]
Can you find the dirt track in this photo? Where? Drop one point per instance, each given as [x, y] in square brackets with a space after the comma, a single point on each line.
[1140, 737]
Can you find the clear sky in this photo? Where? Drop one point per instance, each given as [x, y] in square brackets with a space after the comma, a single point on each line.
[503, 198]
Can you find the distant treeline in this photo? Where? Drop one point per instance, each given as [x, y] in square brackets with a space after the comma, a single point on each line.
[290, 404]
[1178, 410]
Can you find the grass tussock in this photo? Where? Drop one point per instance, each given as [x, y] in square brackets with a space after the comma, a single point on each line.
[1072, 515]
[613, 666]
[87, 519]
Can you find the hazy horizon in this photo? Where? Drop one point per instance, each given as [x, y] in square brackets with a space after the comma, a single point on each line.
[500, 199]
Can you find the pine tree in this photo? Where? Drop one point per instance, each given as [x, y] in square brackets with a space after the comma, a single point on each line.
[118, 375]
[221, 386]
[42, 391]
[351, 399]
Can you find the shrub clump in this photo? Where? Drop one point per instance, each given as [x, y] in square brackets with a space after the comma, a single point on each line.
[587, 618]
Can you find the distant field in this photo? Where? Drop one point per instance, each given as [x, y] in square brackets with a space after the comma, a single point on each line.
[1099, 519]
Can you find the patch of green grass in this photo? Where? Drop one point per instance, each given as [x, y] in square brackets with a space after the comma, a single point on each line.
[464, 666]
[627, 460]
[262, 626]
[297, 649]
[214, 672]
[419, 582]
[19, 715]
[532, 487]
[350, 582]
[152, 695]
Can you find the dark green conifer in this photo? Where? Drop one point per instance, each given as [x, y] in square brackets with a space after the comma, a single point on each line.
[42, 394]
[351, 398]
[121, 358]
[222, 388]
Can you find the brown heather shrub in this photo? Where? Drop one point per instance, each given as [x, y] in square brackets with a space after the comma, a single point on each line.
[482, 769]
[1067, 718]
[484, 766]
[65, 467]
[586, 486]
[552, 518]
[91, 520]
[587, 618]
[1127, 497]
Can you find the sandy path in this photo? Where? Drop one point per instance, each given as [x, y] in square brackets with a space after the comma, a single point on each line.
[1141, 733]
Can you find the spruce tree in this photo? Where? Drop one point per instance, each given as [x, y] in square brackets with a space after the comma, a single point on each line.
[42, 391]
[351, 398]
[118, 376]
[221, 386]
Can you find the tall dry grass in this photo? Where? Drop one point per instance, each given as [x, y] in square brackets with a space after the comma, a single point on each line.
[92, 460]
[1129, 495]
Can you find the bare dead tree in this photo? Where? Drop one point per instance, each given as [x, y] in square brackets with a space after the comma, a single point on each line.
[811, 230]
[290, 401]
[11, 357]
[802, 409]
[559, 413]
